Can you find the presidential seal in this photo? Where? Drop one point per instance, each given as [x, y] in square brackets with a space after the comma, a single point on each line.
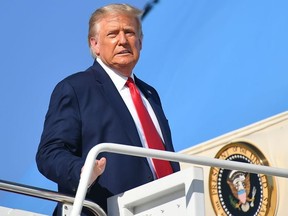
[237, 193]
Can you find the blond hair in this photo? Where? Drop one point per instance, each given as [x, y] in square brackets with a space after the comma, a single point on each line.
[113, 9]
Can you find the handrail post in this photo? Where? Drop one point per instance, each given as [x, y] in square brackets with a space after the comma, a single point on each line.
[84, 180]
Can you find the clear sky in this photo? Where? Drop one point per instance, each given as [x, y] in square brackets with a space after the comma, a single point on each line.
[218, 66]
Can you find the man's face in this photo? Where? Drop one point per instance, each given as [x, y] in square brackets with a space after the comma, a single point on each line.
[118, 43]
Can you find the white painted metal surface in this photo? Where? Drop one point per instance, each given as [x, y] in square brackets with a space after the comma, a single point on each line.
[16, 212]
[181, 193]
[138, 151]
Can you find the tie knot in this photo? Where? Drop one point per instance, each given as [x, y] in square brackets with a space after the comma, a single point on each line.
[130, 81]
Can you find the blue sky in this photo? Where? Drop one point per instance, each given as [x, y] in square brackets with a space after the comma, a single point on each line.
[218, 66]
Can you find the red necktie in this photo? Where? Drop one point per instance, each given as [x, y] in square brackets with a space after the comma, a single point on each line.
[162, 167]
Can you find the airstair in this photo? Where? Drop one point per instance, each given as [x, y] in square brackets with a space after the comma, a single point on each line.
[73, 206]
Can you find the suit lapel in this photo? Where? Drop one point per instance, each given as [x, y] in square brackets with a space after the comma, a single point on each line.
[113, 97]
[111, 94]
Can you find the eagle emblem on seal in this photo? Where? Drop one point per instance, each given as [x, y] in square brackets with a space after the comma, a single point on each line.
[239, 183]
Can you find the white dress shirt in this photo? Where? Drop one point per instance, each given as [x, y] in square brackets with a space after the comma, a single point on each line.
[120, 83]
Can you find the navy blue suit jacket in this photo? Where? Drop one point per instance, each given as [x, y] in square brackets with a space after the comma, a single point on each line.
[86, 109]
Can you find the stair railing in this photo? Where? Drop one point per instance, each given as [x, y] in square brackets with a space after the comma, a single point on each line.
[50, 195]
[165, 155]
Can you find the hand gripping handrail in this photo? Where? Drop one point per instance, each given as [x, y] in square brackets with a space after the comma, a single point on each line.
[48, 195]
[171, 156]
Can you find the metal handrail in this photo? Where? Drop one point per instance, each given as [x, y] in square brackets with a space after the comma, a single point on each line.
[171, 156]
[48, 195]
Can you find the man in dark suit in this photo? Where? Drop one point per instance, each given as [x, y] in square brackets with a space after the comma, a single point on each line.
[95, 106]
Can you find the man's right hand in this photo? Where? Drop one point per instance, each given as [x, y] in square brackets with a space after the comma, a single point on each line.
[98, 169]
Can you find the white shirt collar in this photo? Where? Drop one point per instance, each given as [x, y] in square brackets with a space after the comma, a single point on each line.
[118, 79]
